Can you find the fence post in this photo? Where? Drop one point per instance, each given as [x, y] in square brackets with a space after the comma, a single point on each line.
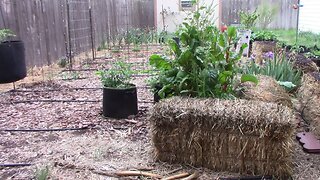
[69, 34]
[92, 33]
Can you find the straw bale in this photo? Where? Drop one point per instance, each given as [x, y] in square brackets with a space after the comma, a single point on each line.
[267, 90]
[302, 63]
[261, 47]
[309, 96]
[249, 137]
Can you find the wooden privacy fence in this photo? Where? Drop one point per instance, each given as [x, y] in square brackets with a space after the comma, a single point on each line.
[286, 17]
[52, 29]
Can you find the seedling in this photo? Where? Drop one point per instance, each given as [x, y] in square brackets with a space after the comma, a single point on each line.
[42, 174]
[5, 33]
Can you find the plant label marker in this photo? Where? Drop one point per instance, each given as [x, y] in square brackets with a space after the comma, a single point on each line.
[309, 142]
[244, 39]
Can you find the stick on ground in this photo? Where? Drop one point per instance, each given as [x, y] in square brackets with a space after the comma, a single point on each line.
[137, 173]
[177, 176]
[192, 176]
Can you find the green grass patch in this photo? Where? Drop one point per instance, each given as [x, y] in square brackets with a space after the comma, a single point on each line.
[288, 37]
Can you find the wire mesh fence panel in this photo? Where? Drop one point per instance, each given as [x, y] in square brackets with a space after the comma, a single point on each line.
[285, 16]
[114, 17]
[40, 25]
[53, 29]
[79, 27]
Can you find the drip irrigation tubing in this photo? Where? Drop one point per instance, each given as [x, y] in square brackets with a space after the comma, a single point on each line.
[110, 58]
[59, 101]
[15, 165]
[70, 89]
[47, 130]
[110, 61]
[71, 79]
[143, 75]
[146, 102]
[71, 70]
[248, 178]
[51, 101]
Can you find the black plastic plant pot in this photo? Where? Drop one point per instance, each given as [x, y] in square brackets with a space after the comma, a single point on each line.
[120, 103]
[12, 61]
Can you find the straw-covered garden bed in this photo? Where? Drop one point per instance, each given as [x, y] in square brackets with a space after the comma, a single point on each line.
[302, 63]
[250, 137]
[267, 90]
[309, 95]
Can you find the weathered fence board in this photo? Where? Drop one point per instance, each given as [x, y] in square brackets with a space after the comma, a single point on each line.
[286, 17]
[43, 24]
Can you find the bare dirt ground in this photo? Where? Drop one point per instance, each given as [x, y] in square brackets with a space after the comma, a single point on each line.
[103, 144]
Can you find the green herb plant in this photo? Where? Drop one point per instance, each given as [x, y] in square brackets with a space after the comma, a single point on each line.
[248, 20]
[204, 65]
[63, 62]
[264, 36]
[5, 33]
[280, 69]
[119, 39]
[116, 77]
[128, 38]
[137, 39]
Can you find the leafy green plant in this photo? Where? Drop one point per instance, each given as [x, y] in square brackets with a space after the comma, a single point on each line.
[128, 38]
[280, 69]
[248, 20]
[286, 84]
[42, 174]
[152, 35]
[313, 54]
[137, 37]
[72, 75]
[204, 63]
[63, 62]
[264, 36]
[316, 53]
[5, 33]
[102, 46]
[117, 77]
[119, 39]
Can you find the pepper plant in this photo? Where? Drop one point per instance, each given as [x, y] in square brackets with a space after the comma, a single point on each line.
[5, 33]
[204, 65]
[118, 76]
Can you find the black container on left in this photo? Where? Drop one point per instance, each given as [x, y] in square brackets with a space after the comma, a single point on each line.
[12, 61]
[120, 103]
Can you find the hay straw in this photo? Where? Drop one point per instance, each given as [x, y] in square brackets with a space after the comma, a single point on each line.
[267, 90]
[309, 96]
[302, 63]
[249, 137]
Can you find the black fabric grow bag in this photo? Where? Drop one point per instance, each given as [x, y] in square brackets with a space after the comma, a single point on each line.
[120, 103]
[12, 61]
